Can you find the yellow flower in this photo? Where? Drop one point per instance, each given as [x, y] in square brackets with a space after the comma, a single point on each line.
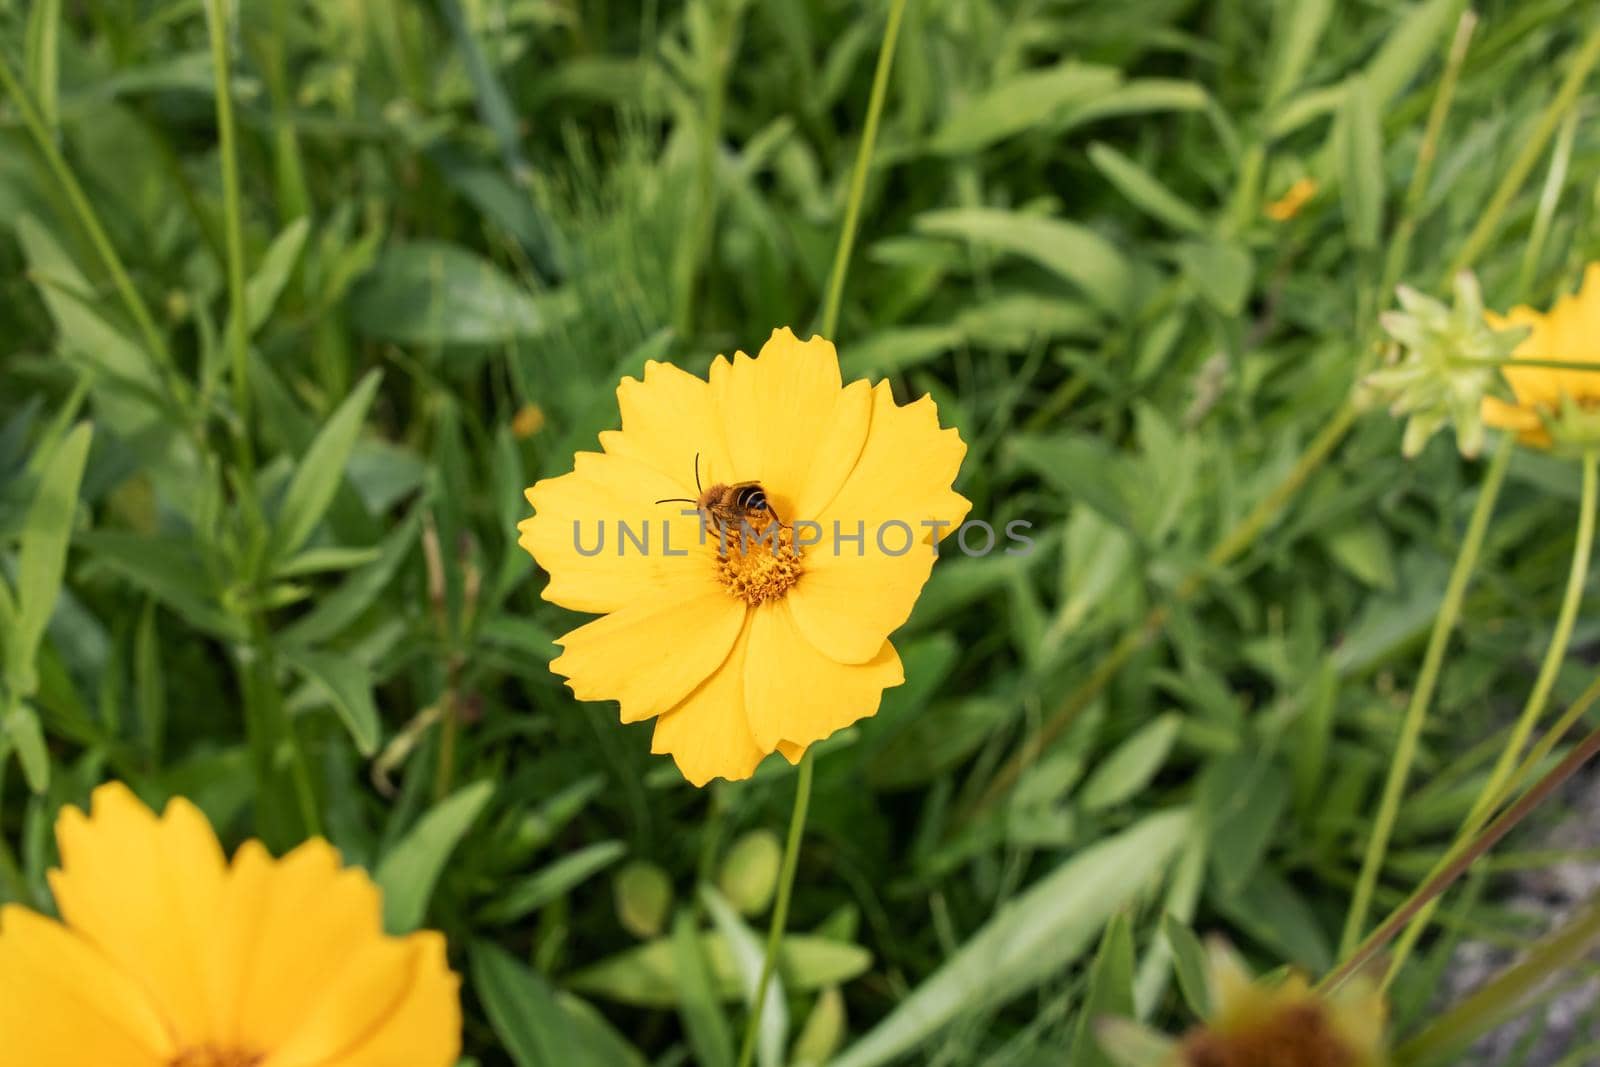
[1272, 1022]
[1289, 204]
[741, 646]
[169, 956]
[1552, 403]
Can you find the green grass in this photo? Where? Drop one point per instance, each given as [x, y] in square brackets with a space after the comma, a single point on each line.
[295, 518]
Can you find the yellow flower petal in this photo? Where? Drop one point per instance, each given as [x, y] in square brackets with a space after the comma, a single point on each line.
[576, 534]
[1524, 422]
[64, 1004]
[852, 597]
[790, 424]
[423, 1027]
[668, 419]
[619, 656]
[144, 890]
[283, 925]
[709, 735]
[795, 694]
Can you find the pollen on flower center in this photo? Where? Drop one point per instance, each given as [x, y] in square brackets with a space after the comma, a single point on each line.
[211, 1056]
[761, 565]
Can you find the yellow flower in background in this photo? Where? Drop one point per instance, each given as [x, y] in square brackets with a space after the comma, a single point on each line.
[1270, 1022]
[1289, 204]
[738, 646]
[1554, 405]
[169, 956]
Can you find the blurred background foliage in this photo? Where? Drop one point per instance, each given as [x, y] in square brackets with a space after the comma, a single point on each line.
[464, 220]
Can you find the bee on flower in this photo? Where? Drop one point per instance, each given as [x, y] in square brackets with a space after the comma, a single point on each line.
[749, 542]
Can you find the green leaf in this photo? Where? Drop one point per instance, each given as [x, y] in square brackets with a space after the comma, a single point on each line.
[698, 1000]
[346, 684]
[409, 872]
[1068, 250]
[432, 293]
[320, 471]
[1358, 140]
[1029, 939]
[1132, 765]
[524, 1011]
[43, 556]
[555, 880]
[23, 733]
[1110, 993]
[1297, 28]
[1363, 550]
[359, 591]
[277, 264]
[1189, 960]
[1220, 271]
[168, 569]
[1022, 101]
[1144, 190]
[749, 954]
[642, 892]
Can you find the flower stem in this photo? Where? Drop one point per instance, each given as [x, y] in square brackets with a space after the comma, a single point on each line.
[1458, 860]
[1583, 63]
[858, 178]
[780, 910]
[1501, 776]
[1405, 752]
[233, 222]
[1504, 995]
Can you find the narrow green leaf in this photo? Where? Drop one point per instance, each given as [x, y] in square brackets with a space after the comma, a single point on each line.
[1220, 271]
[1358, 138]
[277, 264]
[1297, 27]
[1189, 960]
[320, 471]
[1129, 768]
[428, 292]
[698, 1004]
[346, 684]
[150, 683]
[22, 731]
[1073, 252]
[1031, 938]
[43, 58]
[1110, 993]
[523, 1010]
[409, 872]
[529, 894]
[748, 953]
[1144, 190]
[1020, 102]
[43, 557]
[359, 590]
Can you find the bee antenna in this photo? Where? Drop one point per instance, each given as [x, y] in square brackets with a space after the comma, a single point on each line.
[697, 473]
[675, 500]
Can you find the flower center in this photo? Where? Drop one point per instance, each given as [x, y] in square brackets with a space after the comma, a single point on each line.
[211, 1056]
[757, 565]
[1299, 1035]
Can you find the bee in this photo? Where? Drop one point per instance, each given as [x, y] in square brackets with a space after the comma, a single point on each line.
[725, 508]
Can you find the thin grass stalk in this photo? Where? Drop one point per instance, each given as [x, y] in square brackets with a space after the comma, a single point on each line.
[863, 165]
[1416, 716]
[1538, 697]
[780, 910]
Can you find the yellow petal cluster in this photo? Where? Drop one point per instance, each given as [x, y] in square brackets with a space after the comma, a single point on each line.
[168, 955]
[738, 651]
[1549, 398]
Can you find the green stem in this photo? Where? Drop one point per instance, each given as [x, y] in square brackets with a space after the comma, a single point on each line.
[1400, 244]
[858, 178]
[1458, 861]
[1504, 995]
[1500, 778]
[1583, 63]
[1405, 752]
[131, 300]
[780, 910]
[1582, 366]
[702, 229]
[233, 222]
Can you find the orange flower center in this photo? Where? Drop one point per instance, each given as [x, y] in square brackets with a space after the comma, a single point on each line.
[1299, 1035]
[211, 1056]
[761, 567]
